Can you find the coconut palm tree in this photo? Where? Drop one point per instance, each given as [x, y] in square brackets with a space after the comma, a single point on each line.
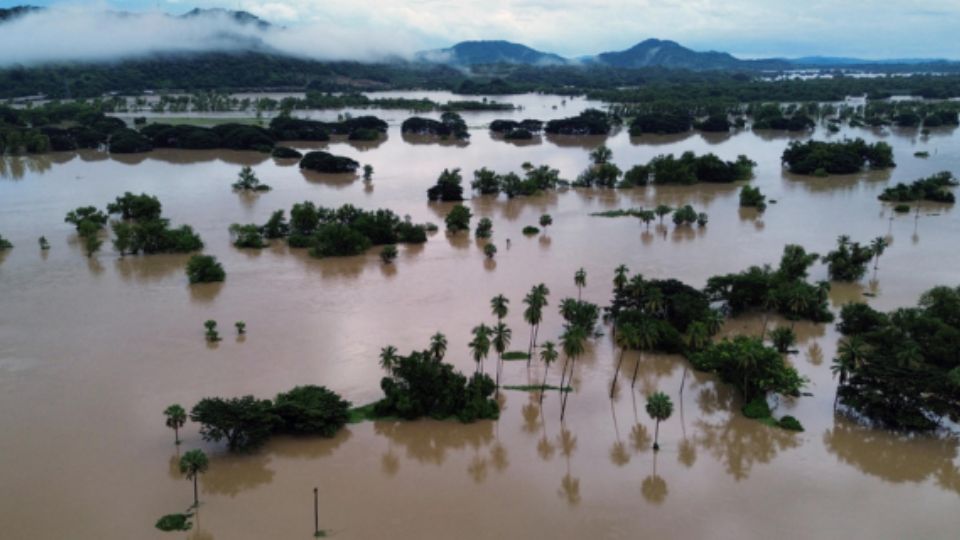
[654, 302]
[176, 417]
[548, 355]
[714, 320]
[878, 245]
[747, 364]
[501, 340]
[626, 339]
[572, 341]
[388, 357]
[647, 336]
[193, 464]
[541, 291]
[532, 315]
[620, 277]
[438, 346]
[697, 336]
[480, 345]
[580, 280]
[659, 407]
[499, 306]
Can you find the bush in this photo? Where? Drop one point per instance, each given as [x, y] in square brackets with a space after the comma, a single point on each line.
[530, 230]
[660, 123]
[204, 269]
[783, 338]
[754, 369]
[244, 422]
[636, 176]
[489, 250]
[901, 208]
[310, 410]
[141, 207]
[933, 188]
[458, 219]
[844, 157]
[247, 236]
[325, 162]
[484, 228]
[128, 141]
[751, 197]
[285, 152]
[174, 522]
[790, 423]
[388, 253]
[589, 122]
[448, 187]
[4, 243]
[849, 261]
[757, 409]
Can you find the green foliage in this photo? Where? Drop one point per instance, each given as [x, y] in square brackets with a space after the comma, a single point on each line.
[448, 187]
[530, 230]
[635, 176]
[899, 370]
[247, 236]
[4, 243]
[849, 261]
[752, 368]
[901, 208]
[285, 152]
[388, 253]
[486, 181]
[450, 125]
[579, 314]
[211, 330]
[484, 228]
[751, 197]
[420, 384]
[310, 410]
[685, 216]
[86, 219]
[515, 355]
[843, 157]
[933, 188]
[175, 522]
[690, 169]
[343, 231]
[660, 123]
[715, 123]
[784, 291]
[458, 219]
[589, 122]
[601, 154]
[783, 338]
[489, 250]
[757, 409]
[599, 175]
[141, 207]
[790, 423]
[659, 406]
[128, 141]
[546, 220]
[247, 181]
[244, 422]
[204, 269]
[241, 327]
[325, 162]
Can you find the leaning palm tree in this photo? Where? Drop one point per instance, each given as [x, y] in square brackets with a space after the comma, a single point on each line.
[532, 315]
[499, 307]
[851, 354]
[438, 346]
[541, 292]
[480, 345]
[501, 340]
[572, 342]
[176, 417]
[580, 280]
[878, 245]
[548, 355]
[626, 339]
[388, 357]
[193, 464]
[647, 336]
[659, 407]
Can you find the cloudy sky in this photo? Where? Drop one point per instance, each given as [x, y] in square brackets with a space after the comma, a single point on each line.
[746, 28]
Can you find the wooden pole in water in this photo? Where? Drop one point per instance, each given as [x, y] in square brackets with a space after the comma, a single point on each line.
[316, 513]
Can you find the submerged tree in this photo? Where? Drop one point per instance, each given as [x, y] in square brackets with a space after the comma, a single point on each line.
[192, 465]
[480, 345]
[580, 280]
[499, 304]
[176, 416]
[659, 407]
[573, 343]
[548, 355]
[438, 346]
[626, 338]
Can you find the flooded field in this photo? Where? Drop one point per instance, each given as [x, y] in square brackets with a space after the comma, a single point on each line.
[92, 350]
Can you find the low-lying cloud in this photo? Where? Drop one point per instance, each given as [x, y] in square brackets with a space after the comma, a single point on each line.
[69, 34]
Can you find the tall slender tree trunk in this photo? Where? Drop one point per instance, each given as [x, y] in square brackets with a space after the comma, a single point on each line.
[616, 374]
[530, 346]
[636, 369]
[543, 387]
[196, 497]
[176, 435]
[565, 395]
[656, 436]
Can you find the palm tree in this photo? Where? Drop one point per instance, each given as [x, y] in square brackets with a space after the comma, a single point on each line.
[193, 464]
[548, 355]
[647, 336]
[388, 357]
[659, 407]
[654, 302]
[697, 336]
[601, 155]
[878, 245]
[620, 277]
[747, 363]
[176, 417]
[499, 306]
[438, 346]
[714, 321]
[580, 280]
[770, 303]
[541, 291]
[572, 342]
[850, 356]
[480, 345]
[532, 315]
[501, 340]
[626, 339]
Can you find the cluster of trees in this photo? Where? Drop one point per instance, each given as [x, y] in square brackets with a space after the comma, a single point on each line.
[450, 125]
[843, 157]
[143, 229]
[784, 290]
[247, 422]
[38, 129]
[661, 123]
[534, 180]
[849, 261]
[664, 169]
[4, 243]
[514, 130]
[934, 188]
[231, 136]
[325, 162]
[588, 122]
[329, 232]
[771, 116]
[906, 114]
[750, 197]
[422, 385]
[205, 269]
[902, 369]
[288, 128]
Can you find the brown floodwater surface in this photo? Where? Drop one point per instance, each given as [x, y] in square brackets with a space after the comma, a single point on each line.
[92, 351]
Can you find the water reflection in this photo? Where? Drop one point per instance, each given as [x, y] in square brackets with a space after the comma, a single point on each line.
[569, 484]
[739, 443]
[15, 167]
[654, 487]
[428, 140]
[230, 474]
[334, 180]
[148, 269]
[204, 293]
[894, 457]
[428, 441]
[660, 140]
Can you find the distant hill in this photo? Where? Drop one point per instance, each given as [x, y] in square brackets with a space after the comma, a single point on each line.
[839, 61]
[16, 11]
[242, 17]
[670, 54]
[470, 53]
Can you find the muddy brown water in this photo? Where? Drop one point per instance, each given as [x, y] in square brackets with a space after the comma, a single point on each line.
[92, 350]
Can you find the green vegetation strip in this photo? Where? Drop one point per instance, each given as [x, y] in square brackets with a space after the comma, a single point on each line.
[536, 388]
[515, 355]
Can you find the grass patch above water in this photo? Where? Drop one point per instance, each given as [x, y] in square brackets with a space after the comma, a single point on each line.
[515, 355]
[631, 212]
[175, 522]
[535, 387]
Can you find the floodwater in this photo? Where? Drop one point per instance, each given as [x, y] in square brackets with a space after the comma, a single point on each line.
[92, 351]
